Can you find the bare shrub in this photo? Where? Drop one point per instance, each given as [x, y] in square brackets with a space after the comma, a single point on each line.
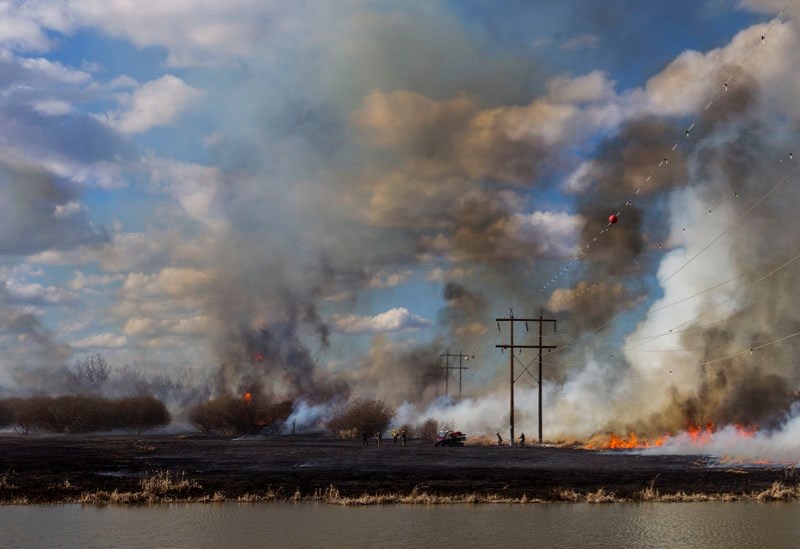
[427, 430]
[361, 415]
[411, 431]
[85, 414]
[232, 415]
[6, 414]
[90, 372]
[141, 413]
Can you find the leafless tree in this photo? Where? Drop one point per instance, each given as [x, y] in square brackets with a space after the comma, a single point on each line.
[91, 371]
[361, 415]
[427, 430]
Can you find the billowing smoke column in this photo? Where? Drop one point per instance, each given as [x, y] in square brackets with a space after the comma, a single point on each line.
[703, 353]
[487, 179]
[449, 186]
[40, 363]
[274, 359]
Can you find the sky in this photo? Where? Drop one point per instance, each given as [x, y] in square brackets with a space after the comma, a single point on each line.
[355, 187]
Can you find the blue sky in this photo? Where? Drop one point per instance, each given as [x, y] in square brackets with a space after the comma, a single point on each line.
[176, 176]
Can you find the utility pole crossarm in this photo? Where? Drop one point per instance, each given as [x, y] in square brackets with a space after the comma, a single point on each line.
[507, 346]
[525, 319]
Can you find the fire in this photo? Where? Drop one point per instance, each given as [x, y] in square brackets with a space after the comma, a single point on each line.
[247, 398]
[699, 435]
[632, 441]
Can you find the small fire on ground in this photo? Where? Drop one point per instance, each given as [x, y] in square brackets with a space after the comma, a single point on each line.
[696, 434]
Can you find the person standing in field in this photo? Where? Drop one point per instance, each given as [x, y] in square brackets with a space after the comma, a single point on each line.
[403, 436]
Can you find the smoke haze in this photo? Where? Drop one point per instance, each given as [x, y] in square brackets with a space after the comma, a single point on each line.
[316, 203]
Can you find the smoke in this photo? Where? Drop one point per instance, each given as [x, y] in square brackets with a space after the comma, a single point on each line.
[38, 358]
[431, 166]
[666, 305]
[776, 445]
[445, 181]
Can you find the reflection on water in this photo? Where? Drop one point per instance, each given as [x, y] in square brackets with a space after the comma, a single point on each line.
[730, 525]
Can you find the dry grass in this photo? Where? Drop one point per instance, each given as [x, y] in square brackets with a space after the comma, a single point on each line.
[332, 496]
[5, 482]
[779, 492]
[166, 482]
[165, 486]
[160, 486]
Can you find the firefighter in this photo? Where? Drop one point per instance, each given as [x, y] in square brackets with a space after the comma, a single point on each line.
[394, 437]
[403, 436]
[378, 438]
[522, 439]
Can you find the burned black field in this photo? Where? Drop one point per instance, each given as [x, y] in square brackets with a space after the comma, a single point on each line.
[50, 469]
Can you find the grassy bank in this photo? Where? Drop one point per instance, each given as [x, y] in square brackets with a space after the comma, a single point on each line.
[169, 487]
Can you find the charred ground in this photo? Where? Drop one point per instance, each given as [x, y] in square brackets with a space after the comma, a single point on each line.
[48, 469]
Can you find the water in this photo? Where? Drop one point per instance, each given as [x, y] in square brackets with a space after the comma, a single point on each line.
[651, 525]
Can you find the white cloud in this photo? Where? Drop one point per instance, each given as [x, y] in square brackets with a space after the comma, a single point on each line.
[54, 70]
[393, 320]
[31, 293]
[105, 340]
[198, 32]
[194, 186]
[155, 103]
[594, 86]
[70, 208]
[171, 281]
[52, 107]
[81, 281]
[148, 326]
[584, 176]
[383, 279]
[551, 233]
[20, 33]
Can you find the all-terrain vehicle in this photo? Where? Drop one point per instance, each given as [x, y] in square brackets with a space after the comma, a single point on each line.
[450, 438]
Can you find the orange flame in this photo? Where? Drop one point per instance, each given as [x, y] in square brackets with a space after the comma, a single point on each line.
[699, 435]
[633, 441]
[247, 397]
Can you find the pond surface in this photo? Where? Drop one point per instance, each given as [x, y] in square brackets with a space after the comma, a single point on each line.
[648, 525]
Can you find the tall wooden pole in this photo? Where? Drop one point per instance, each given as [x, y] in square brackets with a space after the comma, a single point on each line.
[511, 346]
[511, 375]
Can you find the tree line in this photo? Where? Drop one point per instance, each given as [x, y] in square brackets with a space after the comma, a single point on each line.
[82, 414]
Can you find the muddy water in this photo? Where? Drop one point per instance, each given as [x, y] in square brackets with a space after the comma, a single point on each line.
[702, 525]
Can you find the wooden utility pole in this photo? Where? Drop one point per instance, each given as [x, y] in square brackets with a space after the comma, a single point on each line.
[461, 358]
[511, 346]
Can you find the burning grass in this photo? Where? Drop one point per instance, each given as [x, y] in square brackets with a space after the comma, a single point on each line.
[122, 470]
[695, 435]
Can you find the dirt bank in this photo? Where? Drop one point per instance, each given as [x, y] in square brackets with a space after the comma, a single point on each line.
[49, 469]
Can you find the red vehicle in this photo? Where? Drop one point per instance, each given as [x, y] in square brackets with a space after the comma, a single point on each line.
[450, 438]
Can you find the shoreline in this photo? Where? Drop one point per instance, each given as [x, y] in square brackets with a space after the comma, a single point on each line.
[120, 469]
